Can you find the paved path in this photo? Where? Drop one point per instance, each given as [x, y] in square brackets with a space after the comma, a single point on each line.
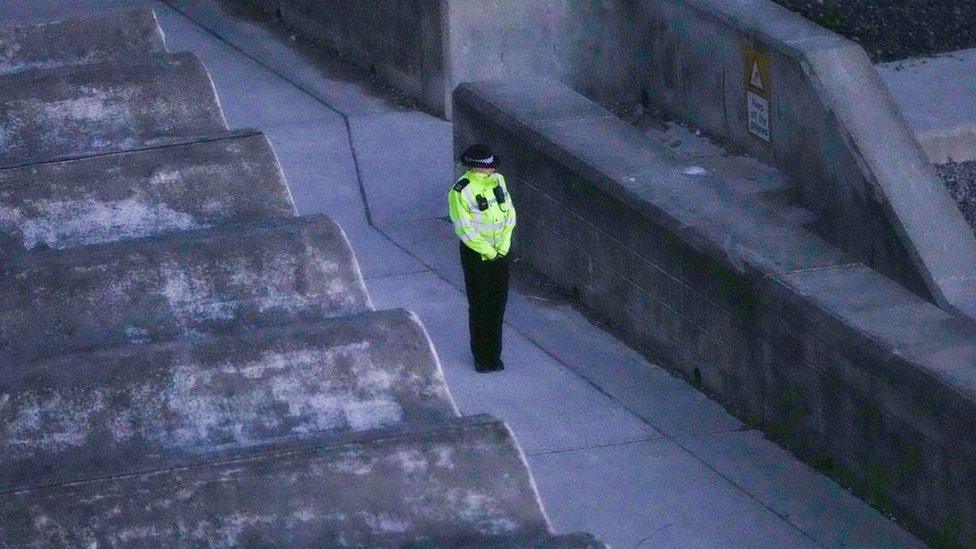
[938, 97]
[618, 447]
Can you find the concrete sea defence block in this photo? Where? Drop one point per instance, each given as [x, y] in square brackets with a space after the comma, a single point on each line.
[182, 361]
[427, 47]
[832, 359]
[459, 482]
[809, 101]
[145, 407]
[223, 280]
[120, 196]
[104, 107]
[80, 41]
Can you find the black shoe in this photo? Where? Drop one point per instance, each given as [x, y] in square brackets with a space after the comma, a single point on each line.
[497, 366]
[483, 367]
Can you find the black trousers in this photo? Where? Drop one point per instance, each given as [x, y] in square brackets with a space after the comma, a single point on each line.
[486, 283]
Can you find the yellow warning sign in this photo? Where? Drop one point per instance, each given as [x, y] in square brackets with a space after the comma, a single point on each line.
[757, 80]
[757, 71]
[758, 87]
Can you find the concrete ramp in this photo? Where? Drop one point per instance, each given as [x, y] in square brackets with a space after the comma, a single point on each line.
[444, 484]
[226, 280]
[104, 107]
[153, 406]
[139, 193]
[79, 41]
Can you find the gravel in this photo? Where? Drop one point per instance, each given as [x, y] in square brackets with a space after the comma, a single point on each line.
[896, 29]
[960, 179]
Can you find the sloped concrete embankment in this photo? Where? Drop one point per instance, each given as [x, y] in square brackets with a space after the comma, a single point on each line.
[861, 377]
[183, 359]
[79, 41]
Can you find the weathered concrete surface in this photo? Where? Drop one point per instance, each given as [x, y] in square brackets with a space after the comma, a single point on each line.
[427, 47]
[221, 392]
[104, 107]
[833, 126]
[936, 96]
[190, 284]
[847, 368]
[577, 388]
[453, 483]
[79, 41]
[146, 407]
[139, 193]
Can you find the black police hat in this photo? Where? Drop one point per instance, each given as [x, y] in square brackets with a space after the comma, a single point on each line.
[479, 156]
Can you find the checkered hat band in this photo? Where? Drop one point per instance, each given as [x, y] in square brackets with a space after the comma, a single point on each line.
[485, 161]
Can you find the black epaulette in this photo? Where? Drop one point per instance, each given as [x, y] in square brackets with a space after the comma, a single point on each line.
[460, 185]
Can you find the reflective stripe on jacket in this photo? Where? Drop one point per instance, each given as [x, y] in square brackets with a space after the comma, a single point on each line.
[480, 221]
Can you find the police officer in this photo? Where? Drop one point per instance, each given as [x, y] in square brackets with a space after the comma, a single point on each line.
[484, 218]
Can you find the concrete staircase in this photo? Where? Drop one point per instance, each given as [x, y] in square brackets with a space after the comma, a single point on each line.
[183, 359]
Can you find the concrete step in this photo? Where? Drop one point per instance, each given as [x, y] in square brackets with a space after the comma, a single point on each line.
[739, 177]
[119, 196]
[936, 95]
[79, 41]
[459, 482]
[225, 280]
[147, 407]
[786, 206]
[103, 107]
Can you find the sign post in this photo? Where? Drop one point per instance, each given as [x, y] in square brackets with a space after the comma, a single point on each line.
[758, 92]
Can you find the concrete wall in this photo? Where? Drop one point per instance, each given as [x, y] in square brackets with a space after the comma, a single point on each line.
[427, 47]
[861, 377]
[832, 126]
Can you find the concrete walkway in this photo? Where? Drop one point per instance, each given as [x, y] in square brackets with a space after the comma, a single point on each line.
[618, 447]
[938, 97]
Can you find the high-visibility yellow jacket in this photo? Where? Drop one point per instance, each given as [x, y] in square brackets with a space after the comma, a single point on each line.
[483, 213]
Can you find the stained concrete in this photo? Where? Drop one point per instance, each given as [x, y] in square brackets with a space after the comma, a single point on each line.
[543, 333]
[187, 356]
[826, 355]
[140, 193]
[833, 127]
[228, 279]
[464, 482]
[554, 335]
[104, 107]
[79, 41]
[137, 408]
